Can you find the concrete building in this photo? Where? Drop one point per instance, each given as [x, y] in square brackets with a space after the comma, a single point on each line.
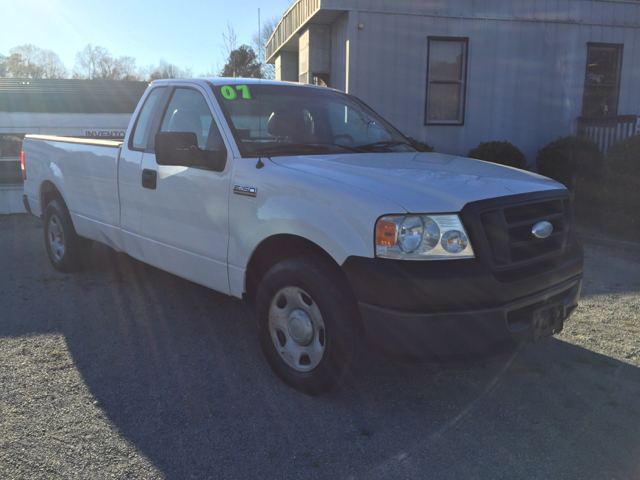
[456, 73]
[78, 108]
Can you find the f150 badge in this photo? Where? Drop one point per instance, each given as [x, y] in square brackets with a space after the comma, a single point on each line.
[244, 190]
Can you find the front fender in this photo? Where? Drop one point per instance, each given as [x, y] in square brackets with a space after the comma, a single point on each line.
[337, 218]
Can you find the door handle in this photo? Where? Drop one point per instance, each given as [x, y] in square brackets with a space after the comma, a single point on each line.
[149, 178]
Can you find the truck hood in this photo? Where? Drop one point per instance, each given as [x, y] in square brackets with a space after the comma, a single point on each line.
[421, 182]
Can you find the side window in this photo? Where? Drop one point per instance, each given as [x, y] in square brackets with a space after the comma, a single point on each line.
[139, 138]
[188, 112]
[446, 80]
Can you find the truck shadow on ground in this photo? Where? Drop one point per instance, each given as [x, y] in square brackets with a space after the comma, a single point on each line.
[178, 371]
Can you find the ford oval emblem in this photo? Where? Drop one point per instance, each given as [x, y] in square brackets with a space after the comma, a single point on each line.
[542, 229]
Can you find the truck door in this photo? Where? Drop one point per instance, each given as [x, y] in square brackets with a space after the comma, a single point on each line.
[185, 224]
[129, 171]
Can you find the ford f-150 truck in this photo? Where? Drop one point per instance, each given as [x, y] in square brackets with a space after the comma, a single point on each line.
[309, 205]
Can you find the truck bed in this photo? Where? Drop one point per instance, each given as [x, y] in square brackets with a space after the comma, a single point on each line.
[86, 170]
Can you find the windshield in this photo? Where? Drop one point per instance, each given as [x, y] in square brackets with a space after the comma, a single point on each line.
[288, 120]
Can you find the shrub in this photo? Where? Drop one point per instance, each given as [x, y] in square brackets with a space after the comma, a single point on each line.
[624, 157]
[622, 187]
[423, 147]
[569, 159]
[608, 198]
[502, 153]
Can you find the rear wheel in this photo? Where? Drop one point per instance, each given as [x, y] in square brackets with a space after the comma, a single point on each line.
[66, 249]
[307, 323]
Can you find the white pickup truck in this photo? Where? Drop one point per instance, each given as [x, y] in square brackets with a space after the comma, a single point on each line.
[306, 203]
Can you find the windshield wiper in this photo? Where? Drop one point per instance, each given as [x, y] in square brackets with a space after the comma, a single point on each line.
[346, 147]
[306, 146]
[383, 145]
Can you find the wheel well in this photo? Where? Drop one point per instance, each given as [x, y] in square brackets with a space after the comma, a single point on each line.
[272, 251]
[48, 192]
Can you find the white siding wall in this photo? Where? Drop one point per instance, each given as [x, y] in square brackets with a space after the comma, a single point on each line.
[525, 72]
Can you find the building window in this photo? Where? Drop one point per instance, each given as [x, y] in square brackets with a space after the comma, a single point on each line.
[602, 80]
[446, 80]
[321, 79]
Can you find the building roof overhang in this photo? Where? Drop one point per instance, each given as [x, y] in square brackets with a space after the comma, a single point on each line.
[285, 37]
[69, 96]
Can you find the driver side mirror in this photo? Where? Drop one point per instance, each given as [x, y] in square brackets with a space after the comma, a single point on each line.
[181, 149]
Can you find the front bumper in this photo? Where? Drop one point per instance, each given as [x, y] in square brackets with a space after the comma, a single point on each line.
[456, 307]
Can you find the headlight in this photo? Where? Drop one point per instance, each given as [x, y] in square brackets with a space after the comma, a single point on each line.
[422, 237]
[411, 234]
[454, 241]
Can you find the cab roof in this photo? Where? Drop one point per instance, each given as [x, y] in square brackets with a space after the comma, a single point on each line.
[219, 81]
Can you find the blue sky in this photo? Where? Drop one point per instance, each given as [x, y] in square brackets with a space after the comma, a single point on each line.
[186, 33]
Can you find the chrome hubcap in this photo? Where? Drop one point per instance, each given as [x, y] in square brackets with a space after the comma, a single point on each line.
[300, 327]
[55, 235]
[297, 328]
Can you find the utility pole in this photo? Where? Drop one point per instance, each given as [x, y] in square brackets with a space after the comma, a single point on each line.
[260, 42]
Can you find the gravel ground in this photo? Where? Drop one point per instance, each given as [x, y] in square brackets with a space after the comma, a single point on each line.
[128, 372]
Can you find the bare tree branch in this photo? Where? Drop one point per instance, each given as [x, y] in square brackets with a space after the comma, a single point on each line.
[259, 43]
[229, 40]
[127, 68]
[23, 61]
[168, 70]
[86, 63]
[50, 64]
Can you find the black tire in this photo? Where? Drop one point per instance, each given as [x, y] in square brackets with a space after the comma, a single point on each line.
[68, 252]
[300, 300]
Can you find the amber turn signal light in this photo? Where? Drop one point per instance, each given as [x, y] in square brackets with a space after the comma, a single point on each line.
[385, 233]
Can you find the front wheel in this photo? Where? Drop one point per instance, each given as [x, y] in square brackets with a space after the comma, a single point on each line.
[307, 321]
[66, 249]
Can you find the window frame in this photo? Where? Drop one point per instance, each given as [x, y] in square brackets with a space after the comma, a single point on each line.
[152, 116]
[161, 114]
[463, 81]
[620, 48]
[165, 109]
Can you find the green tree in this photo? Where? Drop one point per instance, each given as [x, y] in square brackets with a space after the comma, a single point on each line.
[4, 71]
[242, 62]
[18, 67]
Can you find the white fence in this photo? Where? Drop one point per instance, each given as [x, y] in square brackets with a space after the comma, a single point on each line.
[608, 130]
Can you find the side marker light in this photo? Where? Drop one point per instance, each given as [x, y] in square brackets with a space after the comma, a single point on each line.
[385, 233]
